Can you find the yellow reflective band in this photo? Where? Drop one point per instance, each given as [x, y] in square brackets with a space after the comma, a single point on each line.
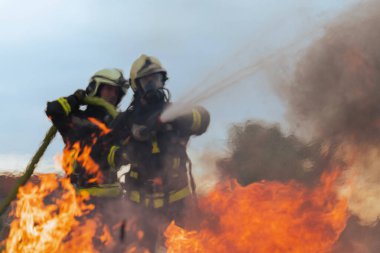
[134, 174]
[65, 105]
[176, 162]
[196, 120]
[155, 148]
[106, 190]
[158, 198]
[183, 193]
[135, 196]
[157, 203]
[158, 195]
[111, 156]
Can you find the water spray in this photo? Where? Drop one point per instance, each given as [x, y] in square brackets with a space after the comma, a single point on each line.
[198, 95]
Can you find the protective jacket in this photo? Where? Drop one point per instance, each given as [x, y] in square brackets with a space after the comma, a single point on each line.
[159, 165]
[74, 125]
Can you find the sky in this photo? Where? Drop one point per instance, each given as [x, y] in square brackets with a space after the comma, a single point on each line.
[50, 48]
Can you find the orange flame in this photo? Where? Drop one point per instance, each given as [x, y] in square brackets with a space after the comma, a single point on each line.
[106, 237]
[50, 216]
[265, 217]
[104, 129]
[77, 153]
[44, 216]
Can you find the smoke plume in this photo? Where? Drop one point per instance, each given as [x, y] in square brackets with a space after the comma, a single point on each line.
[333, 96]
[335, 89]
[262, 152]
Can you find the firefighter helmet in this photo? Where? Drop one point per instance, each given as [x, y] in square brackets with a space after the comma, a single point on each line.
[144, 66]
[113, 77]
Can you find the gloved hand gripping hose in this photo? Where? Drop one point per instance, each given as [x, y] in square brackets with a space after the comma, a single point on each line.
[41, 150]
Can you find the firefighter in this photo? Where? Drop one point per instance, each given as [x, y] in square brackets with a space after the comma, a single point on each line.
[74, 125]
[159, 180]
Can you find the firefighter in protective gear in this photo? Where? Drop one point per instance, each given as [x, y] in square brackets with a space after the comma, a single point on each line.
[160, 170]
[74, 125]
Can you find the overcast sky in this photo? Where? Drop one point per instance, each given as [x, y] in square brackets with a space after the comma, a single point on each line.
[50, 48]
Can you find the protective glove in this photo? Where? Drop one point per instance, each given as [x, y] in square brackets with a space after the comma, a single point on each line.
[80, 95]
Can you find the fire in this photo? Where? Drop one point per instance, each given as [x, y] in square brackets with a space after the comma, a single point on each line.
[104, 129]
[265, 217]
[79, 153]
[44, 216]
[51, 216]
[75, 153]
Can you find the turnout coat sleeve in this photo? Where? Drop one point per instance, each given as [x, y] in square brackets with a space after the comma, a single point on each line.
[194, 122]
[60, 112]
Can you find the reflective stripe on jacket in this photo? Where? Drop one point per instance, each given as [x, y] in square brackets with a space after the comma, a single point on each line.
[157, 200]
[104, 190]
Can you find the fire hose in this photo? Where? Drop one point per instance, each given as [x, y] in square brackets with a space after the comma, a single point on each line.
[41, 150]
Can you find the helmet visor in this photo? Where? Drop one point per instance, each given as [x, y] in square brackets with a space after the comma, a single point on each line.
[152, 82]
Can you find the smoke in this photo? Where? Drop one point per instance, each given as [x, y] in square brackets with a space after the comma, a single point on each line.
[333, 96]
[260, 151]
[358, 238]
[335, 92]
[204, 168]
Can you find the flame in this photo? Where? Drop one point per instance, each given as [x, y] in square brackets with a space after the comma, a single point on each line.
[76, 153]
[265, 217]
[44, 216]
[103, 128]
[79, 153]
[106, 237]
[51, 216]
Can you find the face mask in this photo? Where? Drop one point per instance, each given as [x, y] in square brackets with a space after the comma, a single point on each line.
[154, 96]
[152, 82]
